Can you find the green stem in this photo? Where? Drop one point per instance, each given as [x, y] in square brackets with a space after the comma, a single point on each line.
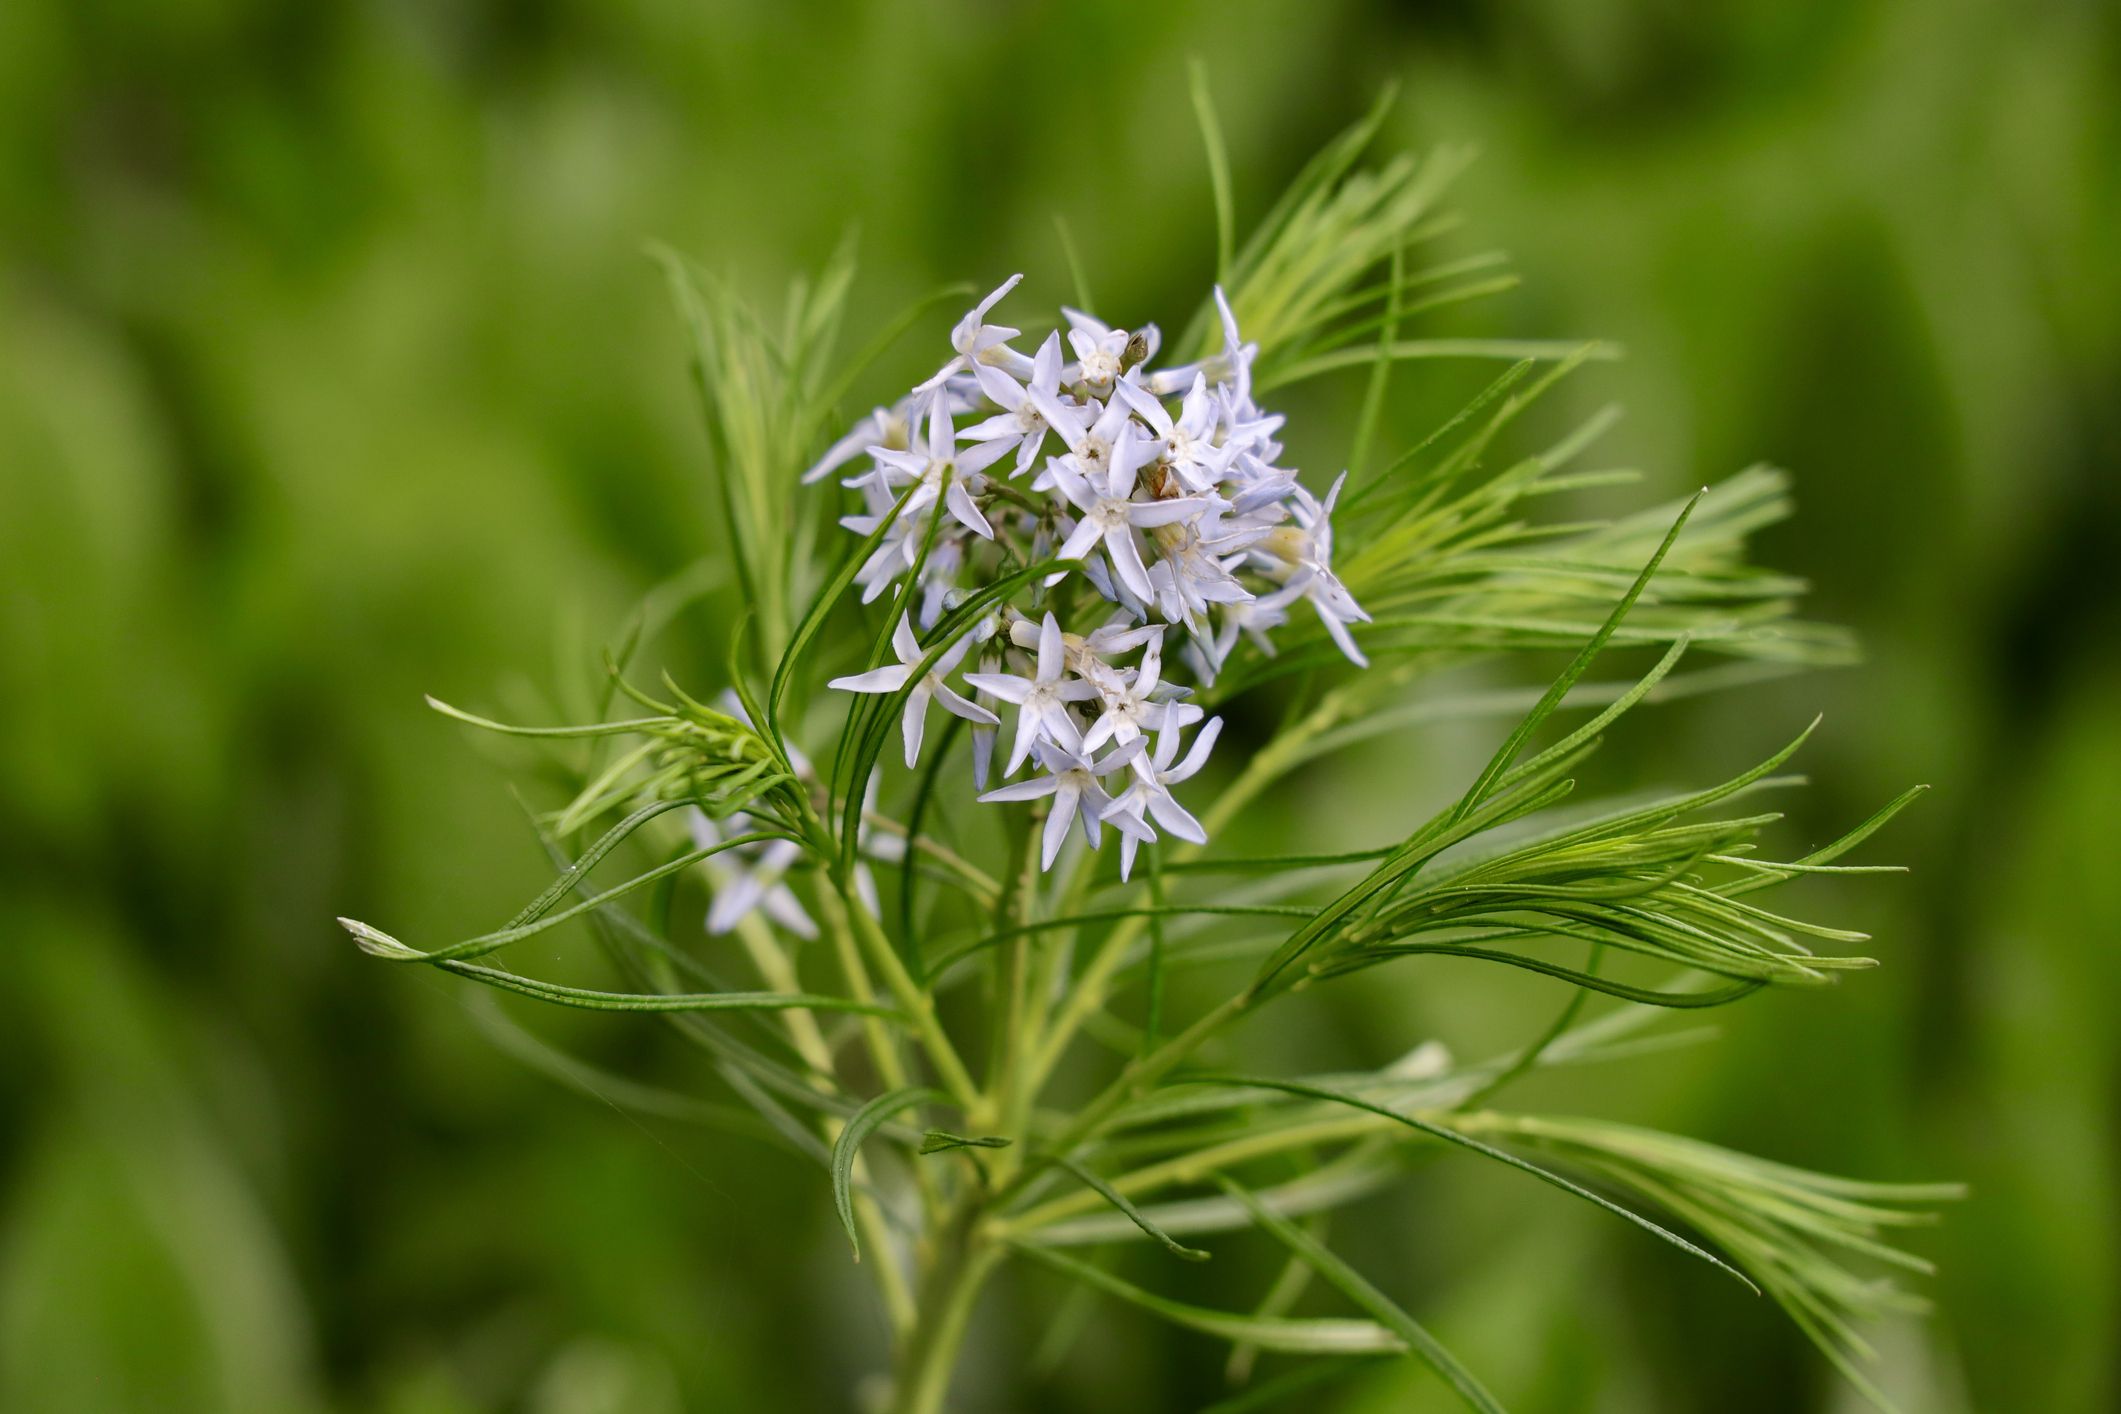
[915, 1001]
[1141, 1073]
[1014, 909]
[948, 1293]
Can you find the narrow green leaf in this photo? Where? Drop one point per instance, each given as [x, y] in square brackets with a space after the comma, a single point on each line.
[1211, 138]
[938, 1141]
[638, 724]
[377, 943]
[1491, 776]
[1544, 350]
[588, 1000]
[1819, 859]
[1525, 798]
[1300, 1335]
[1466, 1141]
[574, 874]
[814, 619]
[1509, 378]
[1134, 1215]
[863, 1123]
[1370, 956]
[909, 864]
[1274, 863]
[1590, 730]
[1352, 1285]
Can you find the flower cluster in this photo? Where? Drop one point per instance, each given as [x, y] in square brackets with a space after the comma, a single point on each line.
[1162, 485]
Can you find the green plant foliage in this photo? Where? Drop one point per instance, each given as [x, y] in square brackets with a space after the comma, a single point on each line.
[1443, 544]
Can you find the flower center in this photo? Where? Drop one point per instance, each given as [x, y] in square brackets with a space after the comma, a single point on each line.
[1110, 514]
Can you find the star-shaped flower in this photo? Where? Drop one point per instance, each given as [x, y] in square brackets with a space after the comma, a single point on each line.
[894, 676]
[1188, 440]
[1131, 706]
[1255, 619]
[1193, 570]
[941, 471]
[884, 427]
[1149, 794]
[1076, 785]
[1109, 513]
[1019, 424]
[1101, 350]
[1041, 701]
[1306, 552]
[974, 337]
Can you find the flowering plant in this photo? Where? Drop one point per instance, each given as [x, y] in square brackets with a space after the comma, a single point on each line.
[1081, 554]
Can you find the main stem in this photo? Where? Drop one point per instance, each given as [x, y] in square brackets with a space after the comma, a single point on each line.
[949, 1290]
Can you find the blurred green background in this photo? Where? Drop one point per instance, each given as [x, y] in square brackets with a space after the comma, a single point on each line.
[330, 373]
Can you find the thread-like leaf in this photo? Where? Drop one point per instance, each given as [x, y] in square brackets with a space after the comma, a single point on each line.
[1133, 1214]
[940, 1141]
[1492, 774]
[844, 1149]
[1299, 1335]
[1211, 138]
[1503, 1156]
[822, 606]
[638, 724]
[1645, 996]
[586, 999]
[1351, 1284]
[377, 943]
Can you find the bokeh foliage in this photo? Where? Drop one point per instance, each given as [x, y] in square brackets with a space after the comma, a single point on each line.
[330, 373]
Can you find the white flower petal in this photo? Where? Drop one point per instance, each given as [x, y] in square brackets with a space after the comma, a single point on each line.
[1127, 561]
[956, 704]
[965, 513]
[1022, 790]
[905, 642]
[915, 722]
[1203, 743]
[885, 679]
[1056, 831]
[1001, 685]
